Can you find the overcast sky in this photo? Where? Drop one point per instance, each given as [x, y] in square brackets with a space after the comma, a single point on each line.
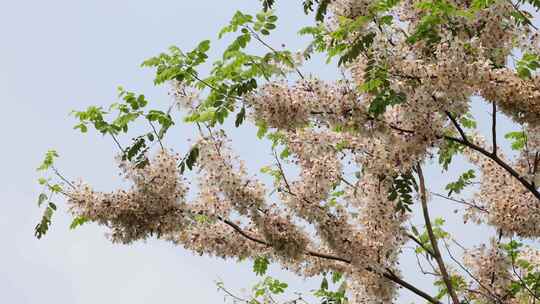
[60, 55]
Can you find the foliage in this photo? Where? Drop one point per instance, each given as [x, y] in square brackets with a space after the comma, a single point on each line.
[401, 191]
[423, 237]
[463, 181]
[260, 265]
[519, 139]
[447, 152]
[347, 154]
[528, 64]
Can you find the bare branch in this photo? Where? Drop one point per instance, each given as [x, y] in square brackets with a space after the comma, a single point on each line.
[463, 202]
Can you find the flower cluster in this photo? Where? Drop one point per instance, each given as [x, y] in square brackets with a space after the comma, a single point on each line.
[153, 205]
[350, 8]
[509, 205]
[491, 270]
[247, 197]
[400, 105]
[185, 97]
[284, 107]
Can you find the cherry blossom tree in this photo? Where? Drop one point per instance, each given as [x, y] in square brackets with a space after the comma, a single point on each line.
[349, 154]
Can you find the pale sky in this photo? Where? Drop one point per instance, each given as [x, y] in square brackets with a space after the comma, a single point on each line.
[60, 55]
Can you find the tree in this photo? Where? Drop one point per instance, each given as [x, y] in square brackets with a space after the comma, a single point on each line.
[410, 72]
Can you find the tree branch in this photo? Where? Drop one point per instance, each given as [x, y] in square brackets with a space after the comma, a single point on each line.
[417, 241]
[394, 278]
[388, 274]
[258, 38]
[494, 127]
[433, 239]
[457, 126]
[464, 141]
[495, 297]
[480, 208]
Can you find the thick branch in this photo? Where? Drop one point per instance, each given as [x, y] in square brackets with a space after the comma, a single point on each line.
[394, 278]
[465, 141]
[263, 242]
[389, 274]
[529, 186]
[433, 239]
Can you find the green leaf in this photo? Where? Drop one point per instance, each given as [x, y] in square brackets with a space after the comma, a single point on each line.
[262, 129]
[78, 221]
[401, 191]
[207, 115]
[136, 152]
[321, 10]
[336, 277]
[48, 161]
[204, 46]
[260, 265]
[386, 20]
[56, 188]
[463, 181]
[43, 226]
[481, 4]
[240, 117]
[447, 152]
[42, 197]
[527, 65]
[267, 4]
[324, 284]
[192, 157]
[275, 286]
[81, 127]
[269, 26]
[359, 45]
[468, 121]
[285, 153]
[519, 140]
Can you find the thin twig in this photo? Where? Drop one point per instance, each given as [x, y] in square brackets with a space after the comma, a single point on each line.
[117, 143]
[494, 127]
[221, 287]
[457, 126]
[417, 241]
[258, 38]
[422, 268]
[282, 172]
[535, 297]
[522, 15]
[62, 177]
[463, 202]
[263, 242]
[157, 134]
[469, 273]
